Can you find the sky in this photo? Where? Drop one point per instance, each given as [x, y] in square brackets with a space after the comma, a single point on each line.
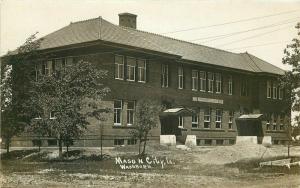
[270, 25]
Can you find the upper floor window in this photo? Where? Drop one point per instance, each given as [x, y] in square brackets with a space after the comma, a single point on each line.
[117, 112]
[131, 64]
[218, 83]
[207, 114]
[164, 75]
[280, 96]
[202, 81]
[195, 80]
[269, 89]
[230, 121]
[210, 77]
[119, 67]
[195, 121]
[244, 88]
[180, 122]
[274, 91]
[141, 70]
[230, 84]
[180, 77]
[130, 112]
[218, 118]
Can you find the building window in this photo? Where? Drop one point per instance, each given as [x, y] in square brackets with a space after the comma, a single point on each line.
[180, 77]
[207, 114]
[131, 142]
[219, 142]
[210, 76]
[230, 121]
[118, 142]
[207, 141]
[130, 112]
[180, 122]
[117, 112]
[52, 115]
[268, 117]
[37, 72]
[218, 83]
[281, 126]
[195, 121]
[218, 118]
[202, 81]
[230, 84]
[280, 96]
[244, 88]
[119, 67]
[269, 89]
[141, 70]
[37, 142]
[46, 68]
[274, 91]
[275, 122]
[195, 80]
[164, 75]
[131, 64]
[52, 142]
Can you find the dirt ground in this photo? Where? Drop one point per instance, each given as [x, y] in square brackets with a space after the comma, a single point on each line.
[221, 166]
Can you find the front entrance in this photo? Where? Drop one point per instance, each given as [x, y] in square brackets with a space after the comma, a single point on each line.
[169, 126]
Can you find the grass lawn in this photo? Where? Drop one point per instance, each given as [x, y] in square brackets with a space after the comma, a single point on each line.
[188, 168]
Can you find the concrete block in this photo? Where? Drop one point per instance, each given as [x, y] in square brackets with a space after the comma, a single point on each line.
[267, 141]
[169, 140]
[246, 140]
[191, 140]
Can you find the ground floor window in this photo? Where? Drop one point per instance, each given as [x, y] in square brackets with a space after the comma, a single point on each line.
[207, 114]
[218, 118]
[230, 121]
[195, 121]
[117, 112]
[219, 142]
[131, 141]
[36, 142]
[207, 141]
[275, 142]
[130, 112]
[118, 142]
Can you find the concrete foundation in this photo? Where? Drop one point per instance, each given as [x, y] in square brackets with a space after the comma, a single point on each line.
[267, 141]
[246, 139]
[191, 140]
[169, 140]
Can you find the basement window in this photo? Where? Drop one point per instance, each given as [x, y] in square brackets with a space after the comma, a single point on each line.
[131, 142]
[207, 141]
[118, 142]
[52, 142]
[219, 142]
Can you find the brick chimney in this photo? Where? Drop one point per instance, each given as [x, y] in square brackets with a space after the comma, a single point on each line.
[127, 20]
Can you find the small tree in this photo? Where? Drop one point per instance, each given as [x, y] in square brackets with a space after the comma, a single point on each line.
[291, 81]
[15, 81]
[67, 95]
[147, 117]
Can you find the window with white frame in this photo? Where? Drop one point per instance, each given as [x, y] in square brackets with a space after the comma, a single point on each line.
[230, 85]
[195, 121]
[210, 77]
[119, 67]
[218, 118]
[280, 96]
[275, 121]
[118, 112]
[195, 80]
[230, 121]
[180, 122]
[218, 83]
[52, 115]
[164, 75]
[130, 112]
[180, 77]
[274, 90]
[207, 115]
[281, 125]
[269, 89]
[142, 70]
[202, 81]
[131, 64]
[46, 68]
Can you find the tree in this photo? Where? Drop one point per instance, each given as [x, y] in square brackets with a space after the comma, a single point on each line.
[14, 82]
[62, 101]
[291, 80]
[147, 116]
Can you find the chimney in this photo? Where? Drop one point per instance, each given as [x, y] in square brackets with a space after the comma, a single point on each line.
[127, 20]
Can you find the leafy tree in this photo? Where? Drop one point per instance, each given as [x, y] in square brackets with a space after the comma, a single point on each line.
[291, 80]
[15, 80]
[68, 94]
[147, 114]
